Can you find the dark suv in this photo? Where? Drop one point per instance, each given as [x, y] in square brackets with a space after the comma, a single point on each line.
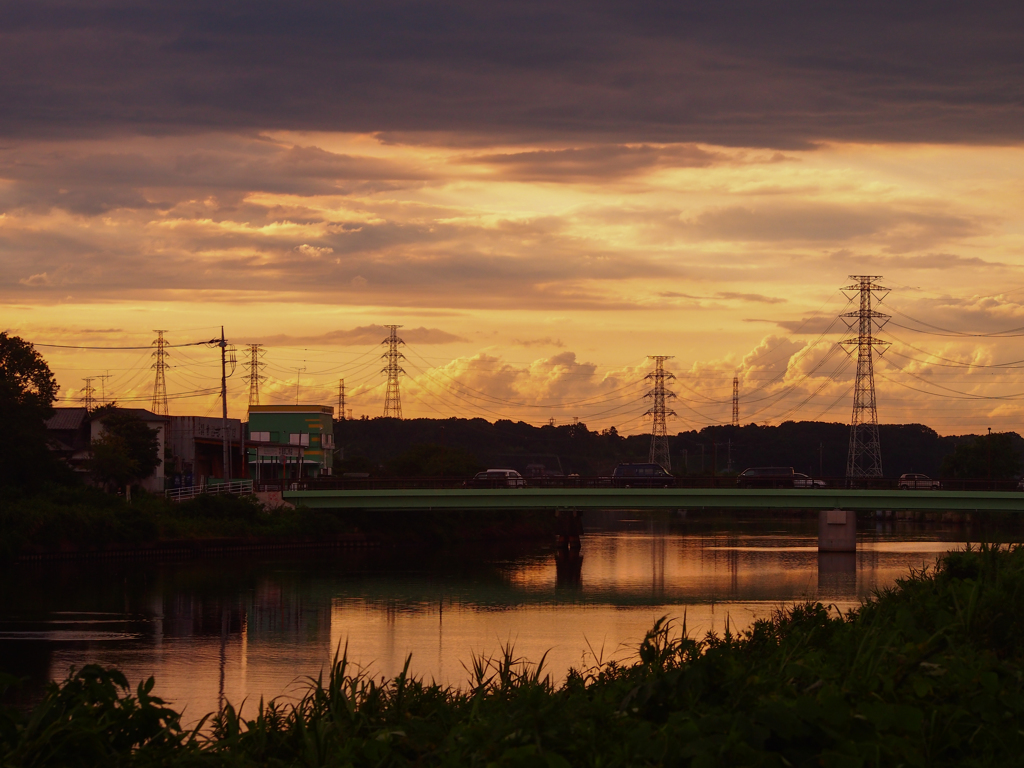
[765, 477]
[642, 476]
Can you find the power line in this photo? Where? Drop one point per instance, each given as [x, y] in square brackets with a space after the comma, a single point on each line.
[865, 454]
[160, 406]
[659, 411]
[169, 346]
[393, 398]
[254, 377]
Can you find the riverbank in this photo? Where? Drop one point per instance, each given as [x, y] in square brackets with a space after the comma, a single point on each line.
[71, 522]
[929, 673]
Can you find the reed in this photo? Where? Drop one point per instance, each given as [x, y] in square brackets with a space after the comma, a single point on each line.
[928, 673]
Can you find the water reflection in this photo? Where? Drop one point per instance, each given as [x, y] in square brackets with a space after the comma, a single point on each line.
[212, 631]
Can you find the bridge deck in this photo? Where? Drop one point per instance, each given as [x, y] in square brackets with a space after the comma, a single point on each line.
[658, 498]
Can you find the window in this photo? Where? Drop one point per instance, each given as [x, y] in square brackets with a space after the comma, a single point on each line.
[327, 440]
[260, 437]
[299, 438]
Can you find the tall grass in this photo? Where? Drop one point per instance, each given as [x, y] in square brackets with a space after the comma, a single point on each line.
[929, 673]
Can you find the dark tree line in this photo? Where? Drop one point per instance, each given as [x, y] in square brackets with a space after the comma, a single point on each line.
[390, 446]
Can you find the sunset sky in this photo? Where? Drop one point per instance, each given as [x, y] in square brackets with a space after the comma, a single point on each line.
[541, 194]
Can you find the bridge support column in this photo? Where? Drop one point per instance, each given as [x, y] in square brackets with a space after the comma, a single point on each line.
[837, 530]
[570, 528]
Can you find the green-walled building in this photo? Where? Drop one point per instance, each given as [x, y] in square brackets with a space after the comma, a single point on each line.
[290, 441]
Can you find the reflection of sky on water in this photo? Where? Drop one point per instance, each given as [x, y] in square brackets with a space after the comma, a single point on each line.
[235, 630]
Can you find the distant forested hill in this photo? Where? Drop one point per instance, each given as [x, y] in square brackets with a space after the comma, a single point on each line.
[389, 446]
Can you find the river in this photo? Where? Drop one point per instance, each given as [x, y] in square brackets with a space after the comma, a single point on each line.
[238, 628]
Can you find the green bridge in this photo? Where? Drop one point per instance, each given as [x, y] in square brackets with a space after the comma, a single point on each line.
[658, 498]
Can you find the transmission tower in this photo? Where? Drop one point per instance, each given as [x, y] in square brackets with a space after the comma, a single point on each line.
[341, 399]
[88, 395]
[735, 401]
[393, 400]
[659, 412]
[865, 456]
[160, 385]
[255, 365]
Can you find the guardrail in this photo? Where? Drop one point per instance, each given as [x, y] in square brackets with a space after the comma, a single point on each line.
[572, 481]
[233, 488]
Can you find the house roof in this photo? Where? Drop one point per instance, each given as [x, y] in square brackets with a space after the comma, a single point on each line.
[67, 418]
[143, 414]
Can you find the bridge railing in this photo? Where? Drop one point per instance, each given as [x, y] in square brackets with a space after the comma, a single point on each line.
[232, 488]
[573, 481]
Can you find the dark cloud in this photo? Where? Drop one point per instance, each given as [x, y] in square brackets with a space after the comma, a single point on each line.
[91, 179]
[737, 72]
[924, 261]
[805, 326]
[594, 163]
[546, 341]
[756, 298]
[364, 335]
[900, 228]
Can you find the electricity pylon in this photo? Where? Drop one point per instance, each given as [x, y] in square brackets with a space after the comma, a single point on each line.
[659, 411]
[341, 399]
[865, 456]
[254, 377]
[735, 401]
[88, 395]
[159, 406]
[393, 399]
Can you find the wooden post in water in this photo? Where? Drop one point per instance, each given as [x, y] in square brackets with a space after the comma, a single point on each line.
[837, 530]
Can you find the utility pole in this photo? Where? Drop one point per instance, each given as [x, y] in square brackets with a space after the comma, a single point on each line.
[255, 365]
[341, 399]
[659, 411]
[988, 444]
[88, 395]
[298, 376]
[393, 399]
[103, 387]
[865, 455]
[224, 403]
[735, 401]
[159, 406]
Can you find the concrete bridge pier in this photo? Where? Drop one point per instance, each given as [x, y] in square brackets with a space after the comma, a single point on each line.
[837, 530]
[569, 528]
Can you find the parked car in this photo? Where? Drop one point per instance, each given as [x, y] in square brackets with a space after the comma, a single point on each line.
[498, 478]
[800, 480]
[915, 482]
[766, 477]
[642, 476]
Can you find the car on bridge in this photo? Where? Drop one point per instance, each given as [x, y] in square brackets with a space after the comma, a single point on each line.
[800, 480]
[498, 478]
[916, 482]
[766, 477]
[646, 475]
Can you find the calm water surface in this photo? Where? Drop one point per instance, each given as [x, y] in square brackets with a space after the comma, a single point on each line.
[239, 628]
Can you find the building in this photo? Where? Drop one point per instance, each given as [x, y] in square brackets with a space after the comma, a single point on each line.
[69, 435]
[290, 441]
[72, 431]
[197, 448]
[156, 482]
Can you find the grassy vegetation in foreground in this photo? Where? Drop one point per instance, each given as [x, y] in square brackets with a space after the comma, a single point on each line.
[929, 673]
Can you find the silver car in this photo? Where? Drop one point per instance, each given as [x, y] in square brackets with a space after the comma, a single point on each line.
[915, 482]
[800, 480]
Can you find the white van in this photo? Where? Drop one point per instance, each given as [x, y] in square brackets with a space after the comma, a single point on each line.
[498, 478]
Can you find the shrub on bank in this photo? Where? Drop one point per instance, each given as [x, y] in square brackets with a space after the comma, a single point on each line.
[82, 518]
[929, 673]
